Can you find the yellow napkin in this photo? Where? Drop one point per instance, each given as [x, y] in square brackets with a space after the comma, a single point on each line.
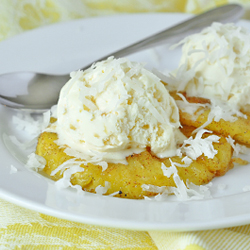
[21, 228]
[21, 15]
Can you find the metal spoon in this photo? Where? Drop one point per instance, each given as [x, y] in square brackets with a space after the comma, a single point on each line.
[38, 92]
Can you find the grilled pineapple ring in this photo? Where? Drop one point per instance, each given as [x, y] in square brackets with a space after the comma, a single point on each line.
[143, 168]
[239, 130]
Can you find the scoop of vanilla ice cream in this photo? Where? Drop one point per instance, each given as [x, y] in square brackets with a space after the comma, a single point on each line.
[216, 64]
[114, 109]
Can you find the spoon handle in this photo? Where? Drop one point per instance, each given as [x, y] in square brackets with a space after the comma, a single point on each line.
[223, 14]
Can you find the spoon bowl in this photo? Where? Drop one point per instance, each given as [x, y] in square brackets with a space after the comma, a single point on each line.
[38, 92]
[30, 91]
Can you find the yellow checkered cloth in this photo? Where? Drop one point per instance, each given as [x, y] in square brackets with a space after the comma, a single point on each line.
[21, 228]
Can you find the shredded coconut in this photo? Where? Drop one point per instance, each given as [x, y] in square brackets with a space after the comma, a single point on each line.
[53, 111]
[221, 110]
[35, 162]
[113, 194]
[190, 108]
[64, 182]
[97, 157]
[236, 147]
[221, 186]
[242, 149]
[100, 190]
[182, 192]
[13, 169]
[195, 147]
[24, 145]
[187, 161]
[32, 125]
[166, 171]
[66, 165]
[218, 110]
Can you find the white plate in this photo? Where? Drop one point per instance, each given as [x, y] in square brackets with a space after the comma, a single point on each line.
[64, 47]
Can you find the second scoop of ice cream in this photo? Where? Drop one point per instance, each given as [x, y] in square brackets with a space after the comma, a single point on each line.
[215, 63]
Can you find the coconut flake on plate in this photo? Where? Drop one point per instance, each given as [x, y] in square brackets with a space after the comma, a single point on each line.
[32, 125]
[13, 169]
[27, 122]
[35, 162]
[24, 145]
[221, 186]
